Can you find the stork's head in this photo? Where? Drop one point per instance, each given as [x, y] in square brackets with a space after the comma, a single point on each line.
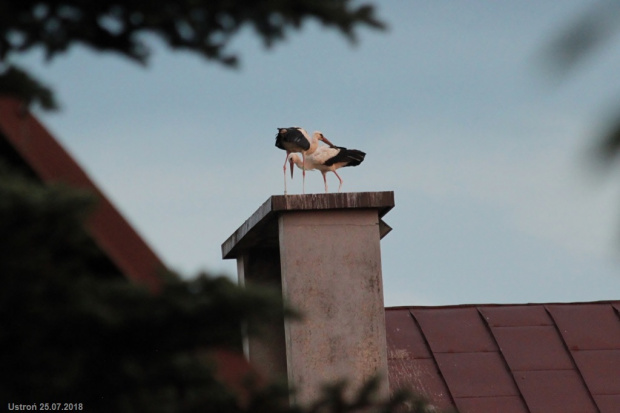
[319, 135]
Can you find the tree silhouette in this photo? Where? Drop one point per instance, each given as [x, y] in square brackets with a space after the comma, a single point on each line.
[203, 27]
[576, 43]
[75, 331]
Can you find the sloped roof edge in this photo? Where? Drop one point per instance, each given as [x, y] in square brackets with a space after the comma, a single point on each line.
[52, 163]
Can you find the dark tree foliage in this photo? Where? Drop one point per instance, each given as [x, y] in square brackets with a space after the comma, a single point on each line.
[201, 26]
[71, 332]
[16, 82]
[204, 27]
[577, 42]
[74, 331]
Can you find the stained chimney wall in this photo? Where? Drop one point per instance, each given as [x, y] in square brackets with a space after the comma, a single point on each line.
[331, 272]
[322, 251]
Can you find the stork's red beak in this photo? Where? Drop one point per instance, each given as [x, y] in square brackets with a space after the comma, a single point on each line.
[324, 139]
[292, 164]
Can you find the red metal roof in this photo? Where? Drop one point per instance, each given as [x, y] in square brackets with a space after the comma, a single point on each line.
[51, 163]
[551, 358]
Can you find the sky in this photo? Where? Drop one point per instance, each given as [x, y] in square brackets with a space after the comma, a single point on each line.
[497, 200]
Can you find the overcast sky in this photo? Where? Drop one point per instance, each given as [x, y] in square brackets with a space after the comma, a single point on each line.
[495, 199]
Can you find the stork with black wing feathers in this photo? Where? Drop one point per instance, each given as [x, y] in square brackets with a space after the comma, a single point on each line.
[328, 159]
[296, 139]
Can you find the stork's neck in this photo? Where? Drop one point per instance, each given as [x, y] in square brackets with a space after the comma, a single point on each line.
[314, 143]
[298, 161]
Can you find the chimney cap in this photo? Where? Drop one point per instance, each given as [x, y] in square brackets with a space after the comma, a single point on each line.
[256, 229]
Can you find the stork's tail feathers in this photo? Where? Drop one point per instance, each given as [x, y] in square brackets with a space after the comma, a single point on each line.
[355, 157]
[350, 157]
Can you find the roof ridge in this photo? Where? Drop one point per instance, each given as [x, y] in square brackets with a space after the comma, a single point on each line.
[448, 306]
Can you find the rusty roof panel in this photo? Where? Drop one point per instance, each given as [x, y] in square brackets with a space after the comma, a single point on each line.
[608, 403]
[422, 377]
[516, 315]
[503, 404]
[551, 358]
[405, 337]
[453, 330]
[601, 370]
[592, 326]
[547, 391]
[532, 348]
[482, 374]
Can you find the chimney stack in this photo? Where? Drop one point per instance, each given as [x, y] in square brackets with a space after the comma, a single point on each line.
[322, 252]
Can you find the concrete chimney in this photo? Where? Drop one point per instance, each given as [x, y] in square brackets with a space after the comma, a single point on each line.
[322, 251]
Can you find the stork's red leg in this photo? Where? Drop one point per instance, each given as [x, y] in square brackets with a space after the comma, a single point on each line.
[284, 169]
[303, 161]
[339, 178]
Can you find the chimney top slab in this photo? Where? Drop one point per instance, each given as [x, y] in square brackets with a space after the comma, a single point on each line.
[261, 228]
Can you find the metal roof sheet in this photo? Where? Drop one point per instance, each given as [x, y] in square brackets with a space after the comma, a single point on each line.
[422, 375]
[587, 326]
[450, 331]
[608, 404]
[503, 404]
[477, 374]
[548, 391]
[515, 315]
[407, 342]
[600, 369]
[560, 357]
[532, 348]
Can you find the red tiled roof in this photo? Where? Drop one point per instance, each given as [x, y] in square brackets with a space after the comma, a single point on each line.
[51, 163]
[551, 358]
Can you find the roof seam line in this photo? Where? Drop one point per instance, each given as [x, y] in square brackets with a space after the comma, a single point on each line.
[468, 352]
[488, 397]
[499, 350]
[572, 358]
[430, 350]
[520, 370]
[616, 310]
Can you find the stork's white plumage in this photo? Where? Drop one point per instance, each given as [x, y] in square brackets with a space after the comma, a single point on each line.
[328, 159]
[296, 139]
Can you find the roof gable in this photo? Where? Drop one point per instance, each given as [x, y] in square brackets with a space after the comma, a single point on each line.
[509, 358]
[50, 162]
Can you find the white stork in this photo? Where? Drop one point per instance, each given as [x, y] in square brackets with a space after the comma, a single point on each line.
[296, 139]
[326, 159]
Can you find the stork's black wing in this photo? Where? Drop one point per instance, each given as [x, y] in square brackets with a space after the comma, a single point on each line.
[350, 157]
[291, 137]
